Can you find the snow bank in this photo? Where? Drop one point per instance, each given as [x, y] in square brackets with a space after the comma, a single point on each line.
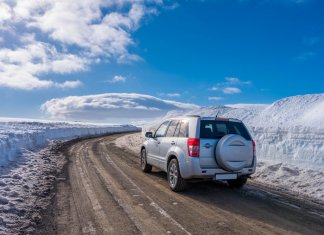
[132, 142]
[301, 146]
[26, 184]
[17, 136]
[291, 178]
[290, 130]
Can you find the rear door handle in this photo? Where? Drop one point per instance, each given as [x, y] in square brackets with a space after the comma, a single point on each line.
[208, 145]
[172, 143]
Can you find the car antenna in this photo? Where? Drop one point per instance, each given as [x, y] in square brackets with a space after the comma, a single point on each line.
[217, 114]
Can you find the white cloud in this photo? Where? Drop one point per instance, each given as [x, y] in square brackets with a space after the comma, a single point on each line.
[83, 24]
[215, 98]
[111, 106]
[236, 81]
[68, 63]
[67, 37]
[231, 90]
[69, 84]
[227, 90]
[5, 14]
[215, 88]
[118, 78]
[21, 67]
[173, 6]
[171, 94]
[230, 85]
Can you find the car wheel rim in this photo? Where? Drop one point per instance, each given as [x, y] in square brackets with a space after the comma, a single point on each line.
[173, 175]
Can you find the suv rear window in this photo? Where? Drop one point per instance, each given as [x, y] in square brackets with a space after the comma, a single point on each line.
[212, 129]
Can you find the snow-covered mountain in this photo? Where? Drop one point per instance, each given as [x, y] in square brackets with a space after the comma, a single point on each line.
[303, 110]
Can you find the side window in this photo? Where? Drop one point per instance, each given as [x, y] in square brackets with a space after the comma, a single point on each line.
[171, 129]
[183, 132]
[176, 132]
[160, 132]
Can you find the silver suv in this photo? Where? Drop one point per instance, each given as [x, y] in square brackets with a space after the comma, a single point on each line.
[194, 147]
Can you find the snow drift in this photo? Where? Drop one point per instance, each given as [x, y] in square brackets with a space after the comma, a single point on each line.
[17, 136]
[290, 130]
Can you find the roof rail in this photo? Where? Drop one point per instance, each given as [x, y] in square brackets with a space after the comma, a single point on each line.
[192, 115]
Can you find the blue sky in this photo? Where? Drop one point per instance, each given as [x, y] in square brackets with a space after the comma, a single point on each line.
[198, 52]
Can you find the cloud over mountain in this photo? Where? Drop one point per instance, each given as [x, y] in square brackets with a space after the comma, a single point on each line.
[110, 106]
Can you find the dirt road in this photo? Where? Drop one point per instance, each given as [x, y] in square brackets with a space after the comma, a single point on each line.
[103, 191]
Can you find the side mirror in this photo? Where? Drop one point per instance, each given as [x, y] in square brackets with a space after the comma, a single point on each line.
[148, 134]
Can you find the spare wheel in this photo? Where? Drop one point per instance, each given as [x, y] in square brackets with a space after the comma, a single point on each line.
[233, 152]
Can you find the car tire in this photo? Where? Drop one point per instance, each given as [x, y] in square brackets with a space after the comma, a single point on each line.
[238, 183]
[176, 182]
[144, 166]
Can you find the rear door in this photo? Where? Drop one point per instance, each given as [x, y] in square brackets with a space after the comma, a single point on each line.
[211, 131]
[167, 142]
[181, 133]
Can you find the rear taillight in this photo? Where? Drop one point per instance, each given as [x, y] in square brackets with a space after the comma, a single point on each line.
[193, 147]
[254, 148]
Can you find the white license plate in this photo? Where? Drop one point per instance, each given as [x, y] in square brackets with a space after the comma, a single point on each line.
[225, 176]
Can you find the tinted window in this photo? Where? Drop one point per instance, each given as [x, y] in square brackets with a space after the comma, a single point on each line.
[162, 129]
[171, 129]
[183, 132]
[210, 129]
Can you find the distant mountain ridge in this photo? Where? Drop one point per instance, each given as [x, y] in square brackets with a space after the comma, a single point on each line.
[301, 110]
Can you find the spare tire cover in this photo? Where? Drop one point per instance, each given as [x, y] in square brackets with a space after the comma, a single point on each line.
[233, 152]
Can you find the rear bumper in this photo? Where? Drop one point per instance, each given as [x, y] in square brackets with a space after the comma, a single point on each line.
[190, 168]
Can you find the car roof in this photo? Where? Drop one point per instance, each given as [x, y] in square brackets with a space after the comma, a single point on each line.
[206, 118]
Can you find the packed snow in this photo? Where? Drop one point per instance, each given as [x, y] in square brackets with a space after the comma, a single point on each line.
[29, 164]
[290, 140]
[26, 189]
